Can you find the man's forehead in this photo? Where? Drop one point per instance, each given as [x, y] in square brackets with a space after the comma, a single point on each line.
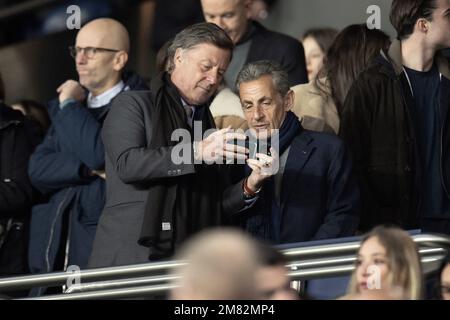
[443, 5]
[220, 6]
[207, 51]
[93, 39]
[262, 85]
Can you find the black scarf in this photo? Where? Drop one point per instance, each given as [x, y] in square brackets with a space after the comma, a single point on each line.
[189, 202]
[268, 221]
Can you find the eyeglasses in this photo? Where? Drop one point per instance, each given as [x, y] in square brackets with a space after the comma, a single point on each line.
[89, 52]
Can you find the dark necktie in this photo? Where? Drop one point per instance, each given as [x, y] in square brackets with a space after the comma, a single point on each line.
[189, 114]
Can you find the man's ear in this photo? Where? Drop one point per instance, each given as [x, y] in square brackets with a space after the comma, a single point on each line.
[120, 61]
[248, 8]
[289, 100]
[178, 56]
[422, 25]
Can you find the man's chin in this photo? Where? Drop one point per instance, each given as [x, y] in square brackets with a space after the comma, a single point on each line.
[260, 133]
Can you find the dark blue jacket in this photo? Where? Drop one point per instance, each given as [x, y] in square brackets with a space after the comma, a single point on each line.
[60, 169]
[377, 125]
[319, 196]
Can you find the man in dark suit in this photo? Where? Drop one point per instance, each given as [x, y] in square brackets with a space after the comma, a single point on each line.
[154, 199]
[253, 42]
[303, 191]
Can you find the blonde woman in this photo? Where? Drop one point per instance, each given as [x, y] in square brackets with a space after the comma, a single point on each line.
[387, 267]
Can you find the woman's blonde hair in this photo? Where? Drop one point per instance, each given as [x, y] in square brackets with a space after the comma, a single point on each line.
[405, 271]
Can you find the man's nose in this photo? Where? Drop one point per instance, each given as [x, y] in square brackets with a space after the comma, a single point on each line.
[212, 77]
[81, 57]
[257, 113]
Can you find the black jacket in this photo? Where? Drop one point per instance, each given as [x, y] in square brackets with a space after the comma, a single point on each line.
[287, 51]
[377, 125]
[18, 138]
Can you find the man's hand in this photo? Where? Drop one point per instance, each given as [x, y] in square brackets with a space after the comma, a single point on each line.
[263, 168]
[70, 90]
[215, 147]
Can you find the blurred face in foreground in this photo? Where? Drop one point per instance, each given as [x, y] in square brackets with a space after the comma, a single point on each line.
[273, 284]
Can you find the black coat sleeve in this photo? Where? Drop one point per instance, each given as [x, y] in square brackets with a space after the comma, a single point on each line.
[16, 192]
[125, 138]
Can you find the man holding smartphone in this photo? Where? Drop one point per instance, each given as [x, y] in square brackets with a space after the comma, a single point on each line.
[302, 188]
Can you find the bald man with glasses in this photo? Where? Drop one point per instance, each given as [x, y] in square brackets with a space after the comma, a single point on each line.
[69, 165]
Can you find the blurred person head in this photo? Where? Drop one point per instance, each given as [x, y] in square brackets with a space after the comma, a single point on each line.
[101, 53]
[265, 96]
[33, 110]
[444, 278]
[259, 9]
[197, 60]
[272, 279]
[352, 51]
[387, 260]
[316, 43]
[427, 19]
[232, 16]
[220, 265]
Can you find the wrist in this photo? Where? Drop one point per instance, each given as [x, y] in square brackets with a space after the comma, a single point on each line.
[249, 191]
[66, 102]
[196, 149]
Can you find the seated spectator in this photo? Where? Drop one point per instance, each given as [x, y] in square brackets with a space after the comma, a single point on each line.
[69, 165]
[389, 264]
[304, 190]
[444, 278]
[253, 41]
[319, 103]
[18, 138]
[272, 279]
[35, 111]
[316, 43]
[220, 265]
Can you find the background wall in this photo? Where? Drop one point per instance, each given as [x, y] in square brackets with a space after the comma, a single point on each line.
[295, 16]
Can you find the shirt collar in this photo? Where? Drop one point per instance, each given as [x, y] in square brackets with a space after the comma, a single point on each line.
[106, 97]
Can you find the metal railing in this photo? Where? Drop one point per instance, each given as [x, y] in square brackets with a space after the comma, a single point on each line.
[305, 263]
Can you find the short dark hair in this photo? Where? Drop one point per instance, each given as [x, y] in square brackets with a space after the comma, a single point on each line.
[2, 88]
[405, 13]
[196, 34]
